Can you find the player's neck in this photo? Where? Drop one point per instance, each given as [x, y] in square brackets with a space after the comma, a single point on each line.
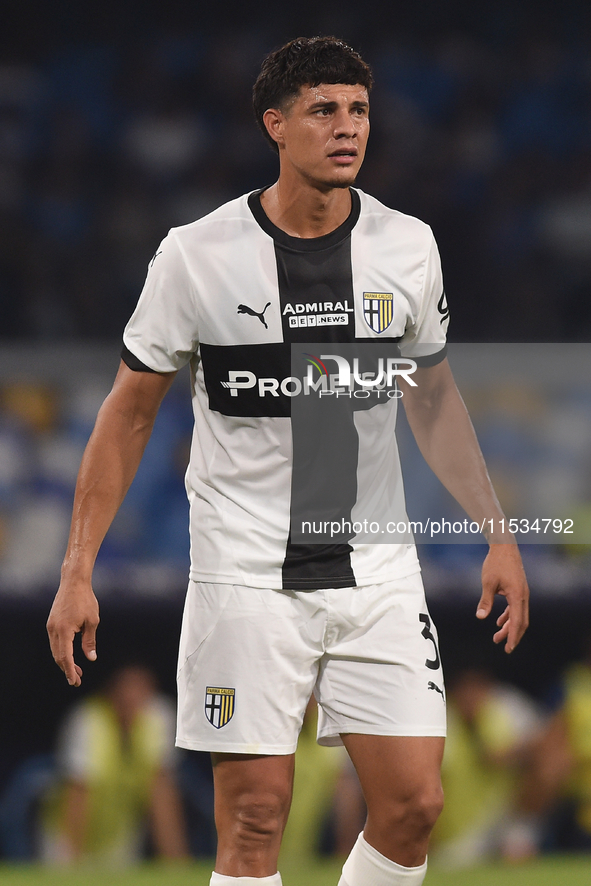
[304, 210]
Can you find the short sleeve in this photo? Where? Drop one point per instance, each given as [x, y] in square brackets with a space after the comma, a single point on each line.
[425, 340]
[162, 332]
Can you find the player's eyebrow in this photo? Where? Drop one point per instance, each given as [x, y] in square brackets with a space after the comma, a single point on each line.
[332, 105]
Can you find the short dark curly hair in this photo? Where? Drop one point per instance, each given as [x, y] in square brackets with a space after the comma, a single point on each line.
[305, 61]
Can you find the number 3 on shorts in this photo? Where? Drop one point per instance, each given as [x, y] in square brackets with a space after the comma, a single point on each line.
[426, 632]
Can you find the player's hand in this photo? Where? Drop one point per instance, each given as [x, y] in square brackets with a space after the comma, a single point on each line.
[75, 610]
[503, 574]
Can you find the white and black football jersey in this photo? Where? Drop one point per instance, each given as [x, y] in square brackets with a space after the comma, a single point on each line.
[233, 295]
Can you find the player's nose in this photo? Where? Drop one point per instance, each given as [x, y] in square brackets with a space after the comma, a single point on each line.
[343, 125]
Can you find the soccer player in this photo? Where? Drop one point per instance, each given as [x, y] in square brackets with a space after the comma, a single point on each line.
[269, 618]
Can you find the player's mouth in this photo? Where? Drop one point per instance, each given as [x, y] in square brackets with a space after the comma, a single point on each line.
[344, 156]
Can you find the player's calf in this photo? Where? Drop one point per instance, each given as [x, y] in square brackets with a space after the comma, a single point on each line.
[400, 827]
[252, 799]
[249, 832]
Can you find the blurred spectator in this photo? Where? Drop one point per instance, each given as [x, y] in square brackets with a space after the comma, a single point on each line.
[37, 464]
[317, 770]
[556, 799]
[348, 812]
[491, 730]
[195, 780]
[328, 809]
[165, 144]
[115, 778]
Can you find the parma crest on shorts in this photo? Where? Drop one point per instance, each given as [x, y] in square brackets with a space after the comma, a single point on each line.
[378, 309]
[219, 705]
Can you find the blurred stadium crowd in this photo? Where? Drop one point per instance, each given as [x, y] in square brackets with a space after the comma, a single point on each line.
[516, 776]
[44, 427]
[484, 135]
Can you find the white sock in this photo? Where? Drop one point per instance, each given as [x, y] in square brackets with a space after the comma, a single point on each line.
[366, 866]
[222, 880]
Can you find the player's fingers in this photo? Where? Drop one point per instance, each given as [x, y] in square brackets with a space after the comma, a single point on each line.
[486, 600]
[503, 617]
[89, 640]
[518, 622]
[62, 647]
[76, 680]
[502, 634]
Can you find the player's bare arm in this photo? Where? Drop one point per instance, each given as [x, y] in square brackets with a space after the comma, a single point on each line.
[445, 435]
[109, 464]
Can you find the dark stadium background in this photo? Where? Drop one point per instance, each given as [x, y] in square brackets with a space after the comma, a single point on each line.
[481, 127]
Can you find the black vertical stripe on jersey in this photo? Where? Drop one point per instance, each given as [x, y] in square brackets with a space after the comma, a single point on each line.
[325, 453]
[322, 278]
[320, 275]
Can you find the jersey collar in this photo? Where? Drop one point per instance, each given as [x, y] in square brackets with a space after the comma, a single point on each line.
[305, 244]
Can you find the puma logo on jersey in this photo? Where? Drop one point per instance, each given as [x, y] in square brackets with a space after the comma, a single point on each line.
[244, 309]
[431, 685]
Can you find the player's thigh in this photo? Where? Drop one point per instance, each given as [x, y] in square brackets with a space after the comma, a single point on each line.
[397, 769]
[382, 672]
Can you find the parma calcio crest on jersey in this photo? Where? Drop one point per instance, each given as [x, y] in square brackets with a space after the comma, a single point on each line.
[219, 705]
[378, 310]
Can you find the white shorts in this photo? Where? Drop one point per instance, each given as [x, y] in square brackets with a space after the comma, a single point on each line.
[250, 659]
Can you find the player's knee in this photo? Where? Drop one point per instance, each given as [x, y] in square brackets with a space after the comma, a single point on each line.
[414, 814]
[431, 806]
[261, 818]
[424, 808]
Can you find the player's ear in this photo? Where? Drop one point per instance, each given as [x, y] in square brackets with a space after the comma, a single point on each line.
[274, 123]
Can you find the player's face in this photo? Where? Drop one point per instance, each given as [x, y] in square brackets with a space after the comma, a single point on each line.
[323, 133]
